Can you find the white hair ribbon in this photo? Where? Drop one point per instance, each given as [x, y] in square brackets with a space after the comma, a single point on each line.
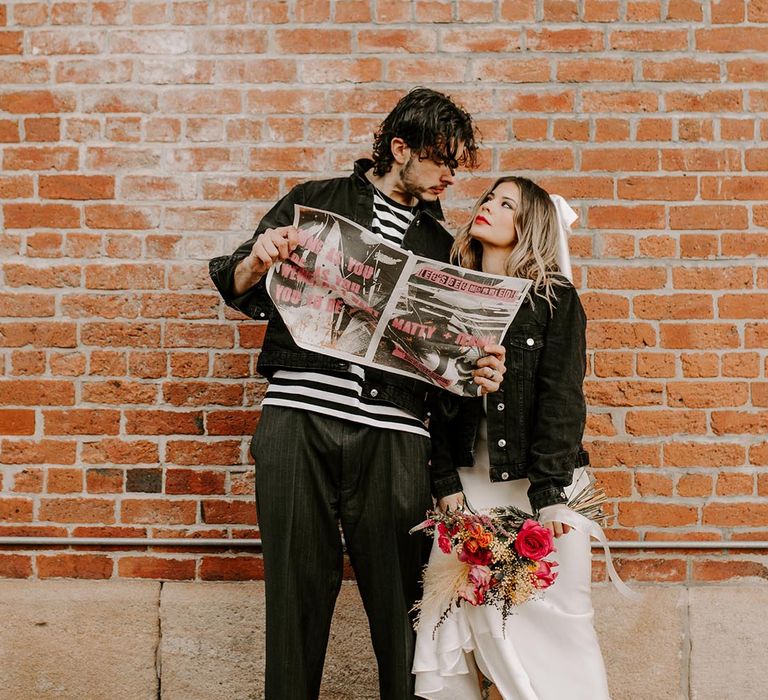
[565, 218]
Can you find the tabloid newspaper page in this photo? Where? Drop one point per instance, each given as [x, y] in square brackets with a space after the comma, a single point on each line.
[348, 293]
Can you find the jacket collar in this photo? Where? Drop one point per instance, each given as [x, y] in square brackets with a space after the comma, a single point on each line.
[363, 165]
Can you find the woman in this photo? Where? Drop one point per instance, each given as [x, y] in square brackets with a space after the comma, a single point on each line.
[525, 444]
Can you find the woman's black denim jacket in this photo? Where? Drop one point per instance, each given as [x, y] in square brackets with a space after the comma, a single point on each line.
[536, 420]
[351, 197]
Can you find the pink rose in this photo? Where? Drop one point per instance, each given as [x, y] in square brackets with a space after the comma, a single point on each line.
[534, 541]
[545, 577]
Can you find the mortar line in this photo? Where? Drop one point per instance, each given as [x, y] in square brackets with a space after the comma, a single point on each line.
[687, 645]
[158, 648]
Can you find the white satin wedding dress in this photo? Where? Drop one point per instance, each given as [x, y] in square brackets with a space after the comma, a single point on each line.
[548, 650]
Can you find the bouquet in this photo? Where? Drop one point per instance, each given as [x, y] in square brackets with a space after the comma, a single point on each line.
[498, 559]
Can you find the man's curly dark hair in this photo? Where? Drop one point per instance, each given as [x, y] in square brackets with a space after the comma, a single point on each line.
[432, 125]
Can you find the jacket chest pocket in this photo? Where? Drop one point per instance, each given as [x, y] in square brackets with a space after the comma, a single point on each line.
[523, 352]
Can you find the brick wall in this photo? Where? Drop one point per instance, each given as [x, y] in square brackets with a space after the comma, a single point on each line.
[139, 139]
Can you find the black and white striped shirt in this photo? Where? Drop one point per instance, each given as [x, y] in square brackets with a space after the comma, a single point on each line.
[339, 394]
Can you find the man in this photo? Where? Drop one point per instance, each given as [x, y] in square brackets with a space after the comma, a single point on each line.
[339, 443]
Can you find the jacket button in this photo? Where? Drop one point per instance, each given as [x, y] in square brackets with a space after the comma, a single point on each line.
[500, 407]
[502, 443]
[262, 315]
[374, 393]
[505, 475]
[529, 341]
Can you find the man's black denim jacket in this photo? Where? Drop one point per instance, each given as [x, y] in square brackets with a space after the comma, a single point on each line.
[536, 420]
[351, 197]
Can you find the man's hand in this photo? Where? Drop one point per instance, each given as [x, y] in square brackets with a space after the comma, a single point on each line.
[272, 245]
[451, 503]
[490, 369]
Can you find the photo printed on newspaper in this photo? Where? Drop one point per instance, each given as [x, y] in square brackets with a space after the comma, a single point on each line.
[348, 293]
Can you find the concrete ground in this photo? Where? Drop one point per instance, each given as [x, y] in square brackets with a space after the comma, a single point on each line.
[114, 640]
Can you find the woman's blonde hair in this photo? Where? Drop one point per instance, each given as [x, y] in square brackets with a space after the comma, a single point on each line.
[534, 255]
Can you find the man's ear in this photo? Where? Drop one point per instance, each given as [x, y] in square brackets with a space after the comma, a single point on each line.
[400, 150]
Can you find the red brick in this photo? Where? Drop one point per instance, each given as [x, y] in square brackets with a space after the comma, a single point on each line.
[735, 514]
[37, 452]
[694, 454]
[618, 454]
[203, 453]
[623, 393]
[658, 514]
[77, 186]
[699, 335]
[735, 484]
[16, 510]
[741, 364]
[189, 364]
[708, 217]
[102, 480]
[656, 570]
[693, 485]
[158, 511]
[724, 570]
[77, 510]
[40, 158]
[731, 39]
[660, 422]
[707, 394]
[604, 334]
[116, 451]
[87, 566]
[156, 568]
[202, 393]
[69, 364]
[293, 41]
[45, 392]
[62, 480]
[40, 215]
[676, 306]
[28, 480]
[700, 364]
[605, 306]
[748, 306]
[653, 484]
[180, 481]
[649, 40]
[613, 364]
[119, 392]
[657, 247]
[238, 568]
[159, 422]
[15, 566]
[17, 422]
[744, 244]
[698, 246]
[232, 422]
[689, 159]
[229, 512]
[712, 278]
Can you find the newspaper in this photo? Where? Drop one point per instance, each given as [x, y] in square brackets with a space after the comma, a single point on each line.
[348, 293]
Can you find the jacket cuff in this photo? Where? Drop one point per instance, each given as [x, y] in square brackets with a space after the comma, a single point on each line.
[548, 496]
[446, 486]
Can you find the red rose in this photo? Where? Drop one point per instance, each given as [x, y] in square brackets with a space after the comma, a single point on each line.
[477, 556]
[534, 541]
[545, 577]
